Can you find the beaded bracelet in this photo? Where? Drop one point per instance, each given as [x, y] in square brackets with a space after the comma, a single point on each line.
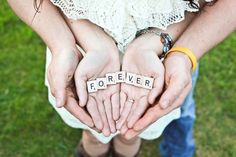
[165, 39]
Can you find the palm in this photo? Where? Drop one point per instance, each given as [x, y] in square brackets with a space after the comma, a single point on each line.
[144, 64]
[100, 104]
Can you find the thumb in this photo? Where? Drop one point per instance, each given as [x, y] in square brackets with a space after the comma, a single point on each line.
[60, 96]
[58, 81]
[58, 88]
[157, 89]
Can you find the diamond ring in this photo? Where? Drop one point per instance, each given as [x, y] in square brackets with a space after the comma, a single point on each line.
[131, 100]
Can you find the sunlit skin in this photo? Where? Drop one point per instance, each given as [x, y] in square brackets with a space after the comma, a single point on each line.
[178, 66]
[68, 71]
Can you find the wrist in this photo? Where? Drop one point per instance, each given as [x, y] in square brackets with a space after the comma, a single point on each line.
[109, 52]
[180, 56]
[140, 44]
[67, 50]
[157, 41]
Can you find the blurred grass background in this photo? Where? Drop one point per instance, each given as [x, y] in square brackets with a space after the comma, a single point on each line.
[29, 127]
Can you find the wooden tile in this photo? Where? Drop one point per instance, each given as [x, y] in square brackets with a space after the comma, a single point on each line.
[147, 82]
[111, 78]
[120, 76]
[138, 81]
[130, 78]
[101, 83]
[92, 86]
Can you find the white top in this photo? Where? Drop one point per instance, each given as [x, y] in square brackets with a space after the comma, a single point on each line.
[121, 19]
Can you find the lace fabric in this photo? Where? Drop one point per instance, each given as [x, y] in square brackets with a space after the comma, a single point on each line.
[122, 19]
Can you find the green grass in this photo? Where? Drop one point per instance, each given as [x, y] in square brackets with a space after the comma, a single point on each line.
[29, 127]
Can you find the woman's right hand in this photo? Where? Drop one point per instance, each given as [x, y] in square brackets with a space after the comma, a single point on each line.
[103, 105]
[101, 57]
[60, 76]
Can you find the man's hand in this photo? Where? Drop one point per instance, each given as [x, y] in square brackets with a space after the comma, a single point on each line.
[178, 84]
[61, 80]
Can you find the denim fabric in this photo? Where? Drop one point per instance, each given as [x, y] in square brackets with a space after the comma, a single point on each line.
[177, 138]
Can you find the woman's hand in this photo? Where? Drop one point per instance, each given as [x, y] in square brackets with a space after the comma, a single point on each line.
[103, 105]
[140, 58]
[178, 84]
[101, 57]
[61, 80]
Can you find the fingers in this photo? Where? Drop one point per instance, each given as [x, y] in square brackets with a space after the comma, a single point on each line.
[101, 109]
[149, 117]
[108, 109]
[131, 134]
[174, 89]
[157, 89]
[180, 100]
[123, 98]
[93, 111]
[155, 112]
[137, 111]
[124, 114]
[78, 112]
[115, 101]
[81, 88]
[58, 83]
[124, 129]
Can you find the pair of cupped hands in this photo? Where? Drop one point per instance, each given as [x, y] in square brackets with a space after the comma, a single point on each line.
[109, 110]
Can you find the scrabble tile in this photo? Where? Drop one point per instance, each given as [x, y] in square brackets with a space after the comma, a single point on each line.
[101, 83]
[138, 81]
[92, 86]
[120, 76]
[130, 78]
[111, 78]
[147, 82]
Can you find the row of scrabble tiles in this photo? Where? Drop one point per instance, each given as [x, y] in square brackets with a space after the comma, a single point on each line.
[120, 77]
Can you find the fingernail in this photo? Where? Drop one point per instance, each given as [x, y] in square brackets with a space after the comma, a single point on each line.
[106, 132]
[81, 104]
[59, 103]
[100, 125]
[113, 129]
[165, 104]
[91, 124]
[123, 131]
[118, 126]
[128, 136]
[130, 125]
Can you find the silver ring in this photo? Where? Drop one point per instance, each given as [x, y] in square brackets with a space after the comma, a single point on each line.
[131, 100]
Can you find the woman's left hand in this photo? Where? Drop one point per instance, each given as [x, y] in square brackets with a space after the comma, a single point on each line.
[145, 62]
[178, 84]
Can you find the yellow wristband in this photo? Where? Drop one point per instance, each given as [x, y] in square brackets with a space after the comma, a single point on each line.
[186, 51]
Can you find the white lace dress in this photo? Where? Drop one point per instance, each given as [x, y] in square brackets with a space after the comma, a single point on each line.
[121, 19]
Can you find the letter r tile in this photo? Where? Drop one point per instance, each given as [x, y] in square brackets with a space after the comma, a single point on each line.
[147, 82]
[111, 78]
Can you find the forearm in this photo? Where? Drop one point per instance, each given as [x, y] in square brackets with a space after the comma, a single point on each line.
[154, 43]
[91, 37]
[48, 23]
[209, 28]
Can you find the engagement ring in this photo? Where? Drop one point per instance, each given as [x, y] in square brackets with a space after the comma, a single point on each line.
[131, 100]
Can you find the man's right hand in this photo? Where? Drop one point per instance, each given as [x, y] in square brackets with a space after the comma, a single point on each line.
[61, 80]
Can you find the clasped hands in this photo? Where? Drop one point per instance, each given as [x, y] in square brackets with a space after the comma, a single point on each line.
[111, 109]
